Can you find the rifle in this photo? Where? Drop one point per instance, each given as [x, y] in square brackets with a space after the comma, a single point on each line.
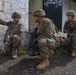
[6, 35]
[32, 41]
[73, 34]
[68, 34]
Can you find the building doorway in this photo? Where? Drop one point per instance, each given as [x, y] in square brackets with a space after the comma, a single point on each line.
[53, 9]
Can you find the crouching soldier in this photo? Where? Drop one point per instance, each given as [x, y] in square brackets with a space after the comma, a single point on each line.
[12, 37]
[70, 29]
[45, 37]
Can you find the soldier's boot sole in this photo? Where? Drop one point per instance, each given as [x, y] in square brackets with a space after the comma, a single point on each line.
[43, 64]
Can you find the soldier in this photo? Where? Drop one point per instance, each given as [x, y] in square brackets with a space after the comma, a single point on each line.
[13, 37]
[45, 40]
[70, 29]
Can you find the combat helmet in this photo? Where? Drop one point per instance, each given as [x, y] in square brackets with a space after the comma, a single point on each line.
[39, 12]
[71, 13]
[15, 14]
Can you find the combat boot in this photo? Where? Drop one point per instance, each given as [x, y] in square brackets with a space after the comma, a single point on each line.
[14, 53]
[43, 64]
[73, 54]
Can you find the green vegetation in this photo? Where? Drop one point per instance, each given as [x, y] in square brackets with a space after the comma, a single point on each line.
[23, 50]
[60, 51]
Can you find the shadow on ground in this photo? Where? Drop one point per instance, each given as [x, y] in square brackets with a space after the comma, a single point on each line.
[4, 58]
[27, 66]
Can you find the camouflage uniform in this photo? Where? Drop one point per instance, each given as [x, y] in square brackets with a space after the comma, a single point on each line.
[45, 39]
[13, 36]
[72, 31]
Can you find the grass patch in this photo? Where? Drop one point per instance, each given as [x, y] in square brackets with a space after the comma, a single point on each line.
[23, 50]
[60, 51]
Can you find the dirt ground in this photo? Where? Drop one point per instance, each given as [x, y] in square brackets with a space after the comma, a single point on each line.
[26, 65]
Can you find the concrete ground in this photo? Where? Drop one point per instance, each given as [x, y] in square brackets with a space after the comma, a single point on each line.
[26, 65]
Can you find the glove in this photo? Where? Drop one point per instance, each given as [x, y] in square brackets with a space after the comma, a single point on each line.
[30, 52]
[69, 40]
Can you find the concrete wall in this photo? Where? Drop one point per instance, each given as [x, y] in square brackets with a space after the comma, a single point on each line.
[10, 6]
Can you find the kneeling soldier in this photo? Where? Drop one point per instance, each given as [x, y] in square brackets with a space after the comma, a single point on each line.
[70, 29]
[45, 40]
[12, 37]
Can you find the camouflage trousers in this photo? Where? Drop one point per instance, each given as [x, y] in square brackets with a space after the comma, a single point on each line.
[12, 44]
[73, 43]
[44, 45]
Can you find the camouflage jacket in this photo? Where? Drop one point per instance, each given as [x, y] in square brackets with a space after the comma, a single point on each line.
[46, 29]
[71, 25]
[13, 28]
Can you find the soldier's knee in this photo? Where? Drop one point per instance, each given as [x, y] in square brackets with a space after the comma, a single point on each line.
[14, 38]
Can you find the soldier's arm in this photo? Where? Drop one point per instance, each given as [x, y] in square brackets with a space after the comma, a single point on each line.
[21, 27]
[74, 31]
[3, 22]
[47, 26]
[39, 30]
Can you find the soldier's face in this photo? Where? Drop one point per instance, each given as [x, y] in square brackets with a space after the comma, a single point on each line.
[70, 18]
[16, 19]
[36, 19]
